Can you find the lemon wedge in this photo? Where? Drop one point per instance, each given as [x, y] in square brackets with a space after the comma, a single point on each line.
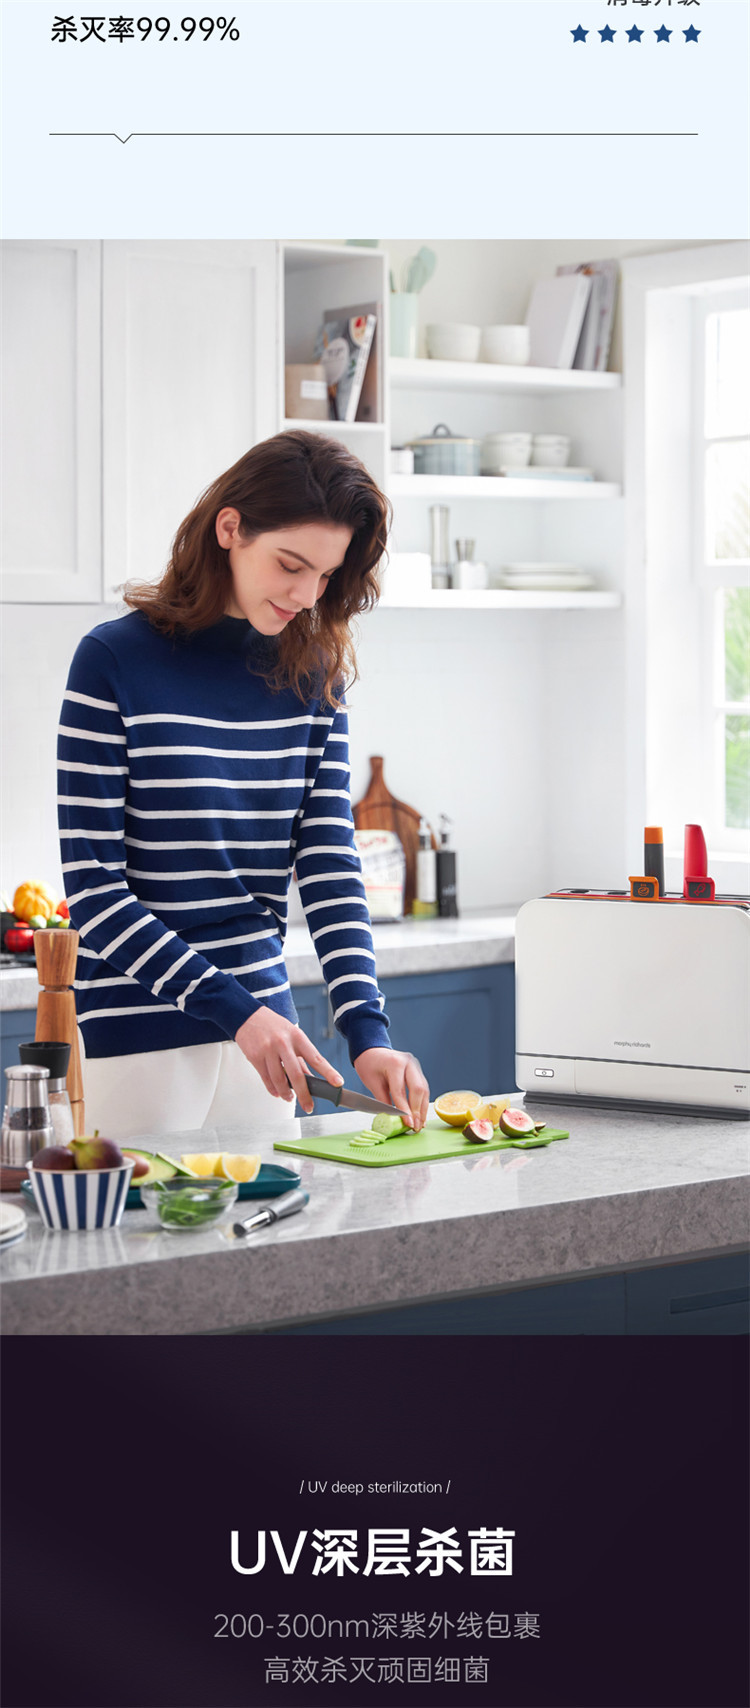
[240, 1168]
[199, 1164]
[491, 1109]
[457, 1107]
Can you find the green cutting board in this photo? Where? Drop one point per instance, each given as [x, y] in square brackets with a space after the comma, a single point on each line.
[435, 1142]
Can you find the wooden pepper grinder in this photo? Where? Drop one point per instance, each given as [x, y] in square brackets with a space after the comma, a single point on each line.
[56, 952]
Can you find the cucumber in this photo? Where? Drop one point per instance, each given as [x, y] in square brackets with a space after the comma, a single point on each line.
[391, 1126]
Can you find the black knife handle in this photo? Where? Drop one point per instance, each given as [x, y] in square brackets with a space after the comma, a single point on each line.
[323, 1088]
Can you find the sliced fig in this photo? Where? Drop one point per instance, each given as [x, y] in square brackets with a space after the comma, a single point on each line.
[515, 1121]
[479, 1132]
[539, 1126]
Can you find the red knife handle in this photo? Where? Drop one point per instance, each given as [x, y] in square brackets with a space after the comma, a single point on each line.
[696, 858]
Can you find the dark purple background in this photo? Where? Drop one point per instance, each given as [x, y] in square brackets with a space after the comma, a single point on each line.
[620, 1464]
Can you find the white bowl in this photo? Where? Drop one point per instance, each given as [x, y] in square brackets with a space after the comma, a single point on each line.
[448, 341]
[503, 449]
[550, 450]
[509, 344]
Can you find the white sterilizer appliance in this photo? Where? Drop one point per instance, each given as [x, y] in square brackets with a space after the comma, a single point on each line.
[642, 1004]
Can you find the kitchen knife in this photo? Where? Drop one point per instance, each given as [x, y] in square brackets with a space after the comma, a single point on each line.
[286, 1205]
[338, 1094]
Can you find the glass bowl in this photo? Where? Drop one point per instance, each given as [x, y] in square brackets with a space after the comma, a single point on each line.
[187, 1206]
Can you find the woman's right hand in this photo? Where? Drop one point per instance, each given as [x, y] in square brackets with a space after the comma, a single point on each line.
[281, 1053]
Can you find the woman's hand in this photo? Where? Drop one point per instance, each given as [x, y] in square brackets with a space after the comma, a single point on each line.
[395, 1076]
[281, 1052]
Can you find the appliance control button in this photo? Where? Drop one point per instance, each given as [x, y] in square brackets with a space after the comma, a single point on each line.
[544, 1073]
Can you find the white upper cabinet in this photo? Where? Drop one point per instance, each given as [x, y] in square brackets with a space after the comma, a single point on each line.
[51, 422]
[189, 369]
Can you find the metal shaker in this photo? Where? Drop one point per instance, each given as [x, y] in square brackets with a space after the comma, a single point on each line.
[27, 1123]
[56, 1058]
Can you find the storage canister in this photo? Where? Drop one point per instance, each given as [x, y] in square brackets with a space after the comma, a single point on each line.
[443, 452]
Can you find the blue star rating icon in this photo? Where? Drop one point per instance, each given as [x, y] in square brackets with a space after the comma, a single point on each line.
[634, 34]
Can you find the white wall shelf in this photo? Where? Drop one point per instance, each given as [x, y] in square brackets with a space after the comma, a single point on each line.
[332, 428]
[503, 599]
[421, 374]
[453, 486]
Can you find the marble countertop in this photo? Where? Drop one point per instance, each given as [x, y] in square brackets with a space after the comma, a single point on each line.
[623, 1191]
[409, 946]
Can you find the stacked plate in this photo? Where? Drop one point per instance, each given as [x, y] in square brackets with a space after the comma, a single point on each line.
[550, 577]
[541, 474]
[12, 1224]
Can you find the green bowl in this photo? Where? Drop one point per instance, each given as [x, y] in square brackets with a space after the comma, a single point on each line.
[187, 1206]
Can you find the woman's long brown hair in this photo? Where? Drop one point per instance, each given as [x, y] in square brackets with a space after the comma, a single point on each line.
[283, 482]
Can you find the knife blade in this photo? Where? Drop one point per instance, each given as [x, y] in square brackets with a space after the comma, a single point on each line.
[338, 1094]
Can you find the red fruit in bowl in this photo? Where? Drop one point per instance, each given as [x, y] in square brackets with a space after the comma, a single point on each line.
[19, 940]
[96, 1152]
[54, 1156]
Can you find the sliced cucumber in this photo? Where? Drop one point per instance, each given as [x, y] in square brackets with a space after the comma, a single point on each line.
[391, 1126]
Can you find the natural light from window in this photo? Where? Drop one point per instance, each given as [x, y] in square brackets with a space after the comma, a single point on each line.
[726, 554]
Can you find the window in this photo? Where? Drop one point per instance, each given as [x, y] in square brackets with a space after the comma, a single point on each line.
[721, 534]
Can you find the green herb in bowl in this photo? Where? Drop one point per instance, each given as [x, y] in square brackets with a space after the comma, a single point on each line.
[189, 1205]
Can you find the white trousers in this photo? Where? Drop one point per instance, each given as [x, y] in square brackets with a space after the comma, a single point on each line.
[174, 1091]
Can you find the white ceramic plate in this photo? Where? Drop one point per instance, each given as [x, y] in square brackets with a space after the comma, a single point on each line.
[12, 1223]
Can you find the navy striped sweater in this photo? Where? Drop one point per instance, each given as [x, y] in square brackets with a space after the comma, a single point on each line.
[188, 792]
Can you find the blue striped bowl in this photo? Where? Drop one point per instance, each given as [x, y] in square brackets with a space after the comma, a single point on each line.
[75, 1199]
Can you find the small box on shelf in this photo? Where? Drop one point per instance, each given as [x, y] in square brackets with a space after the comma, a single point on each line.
[305, 392]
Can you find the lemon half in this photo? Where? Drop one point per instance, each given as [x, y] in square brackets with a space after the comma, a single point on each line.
[457, 1107]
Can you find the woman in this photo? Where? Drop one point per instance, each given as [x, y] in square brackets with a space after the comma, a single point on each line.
[202, 757]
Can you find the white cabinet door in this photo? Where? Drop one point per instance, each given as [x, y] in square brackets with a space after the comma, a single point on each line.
[51, 422]
[189, 362]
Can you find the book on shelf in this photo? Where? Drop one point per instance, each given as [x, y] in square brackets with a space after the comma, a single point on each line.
[555, 317]
[592, 353]
[345, 345]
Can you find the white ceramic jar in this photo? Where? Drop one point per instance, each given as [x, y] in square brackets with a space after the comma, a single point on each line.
[508, 344]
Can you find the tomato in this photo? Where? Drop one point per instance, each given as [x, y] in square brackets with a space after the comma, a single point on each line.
[63, 910]
[19, 939]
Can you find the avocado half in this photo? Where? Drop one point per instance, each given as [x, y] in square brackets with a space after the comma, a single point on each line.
[159, 1167]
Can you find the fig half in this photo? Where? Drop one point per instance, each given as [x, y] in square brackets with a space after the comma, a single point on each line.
[479, 1132]
[515, 1121]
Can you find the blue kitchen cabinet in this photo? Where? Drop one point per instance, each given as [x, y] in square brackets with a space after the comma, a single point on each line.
[17, 1026]
[710, 1296]
[460, 1024]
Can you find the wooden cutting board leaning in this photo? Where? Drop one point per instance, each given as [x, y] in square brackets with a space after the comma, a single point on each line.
[379, 810]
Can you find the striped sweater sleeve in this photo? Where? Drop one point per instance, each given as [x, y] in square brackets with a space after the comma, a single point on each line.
[332, 892]
[92, 778]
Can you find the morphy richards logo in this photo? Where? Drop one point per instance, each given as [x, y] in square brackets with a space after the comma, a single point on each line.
[629, 1044]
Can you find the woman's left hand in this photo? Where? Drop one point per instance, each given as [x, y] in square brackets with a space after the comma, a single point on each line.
[395, 1076]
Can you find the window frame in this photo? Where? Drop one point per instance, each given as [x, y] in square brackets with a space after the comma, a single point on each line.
[710, 576]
